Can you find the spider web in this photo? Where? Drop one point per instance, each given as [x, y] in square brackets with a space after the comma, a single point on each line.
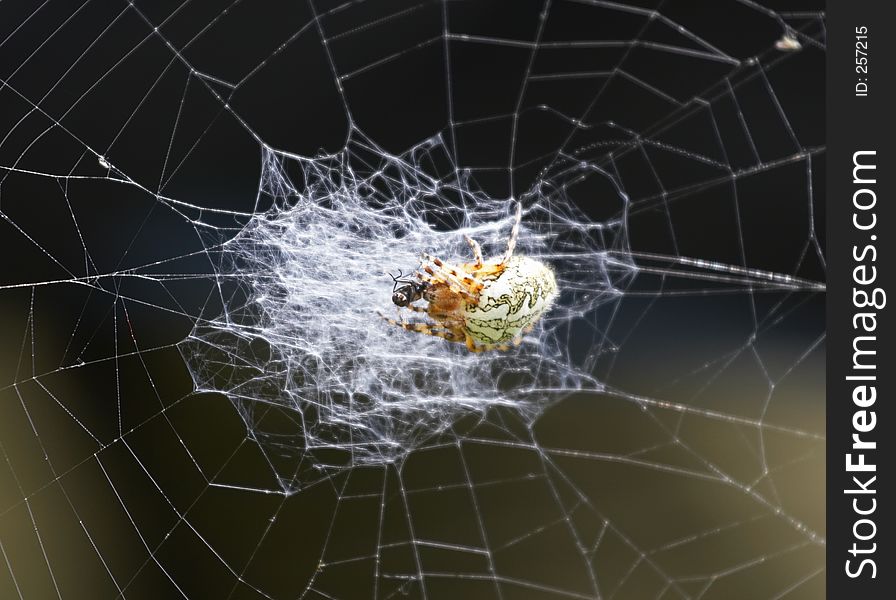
[201, 204]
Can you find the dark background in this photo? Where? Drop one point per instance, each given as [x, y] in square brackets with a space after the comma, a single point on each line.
[110, 467]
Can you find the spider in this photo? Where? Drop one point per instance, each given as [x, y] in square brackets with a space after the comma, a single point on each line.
[483, 304]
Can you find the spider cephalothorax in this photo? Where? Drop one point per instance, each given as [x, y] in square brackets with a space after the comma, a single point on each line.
[483, 304]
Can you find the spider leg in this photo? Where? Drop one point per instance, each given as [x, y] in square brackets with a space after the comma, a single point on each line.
[416, 309]
[472, 346]
[424, 328]
[428, 311]
[460, 282]
[514, 233]
[452, 334]
[477, 252]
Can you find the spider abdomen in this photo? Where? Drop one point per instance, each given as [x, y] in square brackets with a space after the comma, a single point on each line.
[511, 302]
